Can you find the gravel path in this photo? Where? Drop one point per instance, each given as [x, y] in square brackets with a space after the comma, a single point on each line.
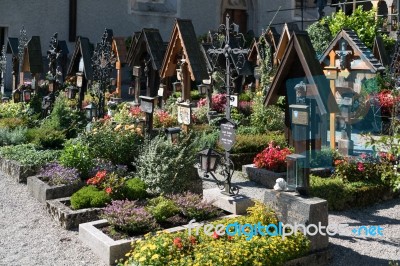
[29, 237]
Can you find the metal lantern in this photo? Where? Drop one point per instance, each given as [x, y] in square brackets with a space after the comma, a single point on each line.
[208, 160]
[91, 111]
[296, 172]
[203, 88]
[5, 99]
[177, 86]
[26, 95]
[71, 92]
[173, 133]
[17, 96]
[113, 82]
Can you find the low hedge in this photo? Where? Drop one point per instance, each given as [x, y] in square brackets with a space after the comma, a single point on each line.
[345, 195]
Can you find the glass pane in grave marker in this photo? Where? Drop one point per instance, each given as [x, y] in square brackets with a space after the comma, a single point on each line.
[300, 172]
[291, 175]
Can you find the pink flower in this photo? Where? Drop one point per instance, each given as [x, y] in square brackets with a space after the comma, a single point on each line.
[360, 167]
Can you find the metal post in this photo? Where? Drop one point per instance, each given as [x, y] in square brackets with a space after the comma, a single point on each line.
[3, 67]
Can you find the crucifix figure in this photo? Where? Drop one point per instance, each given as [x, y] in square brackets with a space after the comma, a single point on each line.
[343, 53]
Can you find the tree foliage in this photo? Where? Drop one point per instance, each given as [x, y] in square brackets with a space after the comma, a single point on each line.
[320, 36]
[364, 23]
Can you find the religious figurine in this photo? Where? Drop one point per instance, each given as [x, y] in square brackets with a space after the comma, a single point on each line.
[280, 185]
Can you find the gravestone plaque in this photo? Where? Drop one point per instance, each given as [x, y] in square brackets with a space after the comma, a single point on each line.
[300, 114]
[227, 136]
[184, 113]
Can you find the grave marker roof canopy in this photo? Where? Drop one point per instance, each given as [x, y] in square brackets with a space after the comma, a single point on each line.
[84, 49]
[119, 49]
[299, 63]
[379, 51]
[32, 60]
[184, 39]
[150, 42]
[12, 46]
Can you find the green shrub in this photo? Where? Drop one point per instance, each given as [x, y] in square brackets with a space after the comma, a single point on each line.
[119, 146]
[89, 197]
[77, 155]
[13, 110]
[12, 122]
[256, 143]
[331, 189]
[324, 158]
[133, 189]
[13, 136]
[167, 167]
[269, 118]
[162, 208]
[320, 36]
[194, 94]
[28, 154]
[46, 137]
[64, 118]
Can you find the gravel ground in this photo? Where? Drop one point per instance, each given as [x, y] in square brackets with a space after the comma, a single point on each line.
[29, 237]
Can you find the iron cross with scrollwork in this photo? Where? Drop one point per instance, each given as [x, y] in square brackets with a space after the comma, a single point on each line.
[223, 36]
[103, 61]
[22, 41]
[53, 55]
[3, 67]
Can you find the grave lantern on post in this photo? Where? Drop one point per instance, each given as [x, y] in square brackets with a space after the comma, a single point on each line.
[177, 85]
[208, 160]
[71, 92]
[17, 96]
[91, 111]
[147, 106]
[228, 128]
[297, 164]
[173, 134]
[27, 94]
[137, 72]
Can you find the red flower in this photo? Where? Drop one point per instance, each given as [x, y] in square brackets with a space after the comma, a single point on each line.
[360, 167]
[178, 242]
[108, 190]
[215, 235]
[272, 158]
[230, 238]
[192, 240]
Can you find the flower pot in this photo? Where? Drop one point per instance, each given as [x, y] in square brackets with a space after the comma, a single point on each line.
[262, 176]
[42, 191]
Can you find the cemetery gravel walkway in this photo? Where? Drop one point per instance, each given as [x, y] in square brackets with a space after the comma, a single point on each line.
[28, 235]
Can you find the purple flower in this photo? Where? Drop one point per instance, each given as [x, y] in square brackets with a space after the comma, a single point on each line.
[59, 175]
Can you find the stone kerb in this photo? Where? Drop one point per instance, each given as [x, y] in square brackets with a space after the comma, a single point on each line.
[15, 170]
[262, 176]
[42, 191]
[294, 209]
[67, 217]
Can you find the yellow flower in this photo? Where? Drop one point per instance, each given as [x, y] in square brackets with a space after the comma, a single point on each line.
[152, 246]
[117, 127]
[142, 259]
[155, 257]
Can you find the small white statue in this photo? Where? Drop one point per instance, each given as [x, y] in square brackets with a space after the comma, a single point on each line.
[280, 184]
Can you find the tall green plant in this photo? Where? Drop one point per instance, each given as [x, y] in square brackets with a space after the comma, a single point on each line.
[168, 167]
[270, 118]
[364, 23]
[320, 36]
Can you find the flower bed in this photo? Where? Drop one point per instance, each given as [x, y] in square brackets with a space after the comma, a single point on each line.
[68, 218]
[182, 248]
[42, 191]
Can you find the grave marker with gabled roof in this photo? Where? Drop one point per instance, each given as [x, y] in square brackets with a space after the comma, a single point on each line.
[83, 49]
[134, 39]
[379, 51]
[284, 39]
[347, 62]
[32, 61]
[148, 54]
[300, 64]
[183, 46]
[119, 49]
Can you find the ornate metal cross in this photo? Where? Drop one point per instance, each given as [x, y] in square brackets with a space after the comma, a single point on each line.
[3, 68]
